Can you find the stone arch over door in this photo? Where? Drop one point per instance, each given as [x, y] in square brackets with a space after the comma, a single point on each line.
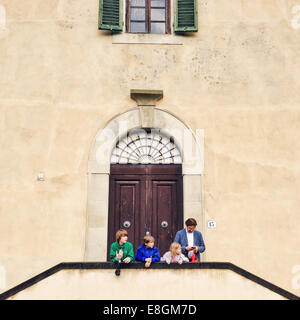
[191, 145]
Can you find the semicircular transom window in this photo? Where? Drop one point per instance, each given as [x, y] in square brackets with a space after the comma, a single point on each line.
[146, 147]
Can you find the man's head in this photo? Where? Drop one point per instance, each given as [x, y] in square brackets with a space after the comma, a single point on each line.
[191, 224]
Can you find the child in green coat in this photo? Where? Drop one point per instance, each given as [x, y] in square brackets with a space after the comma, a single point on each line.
[121, 250]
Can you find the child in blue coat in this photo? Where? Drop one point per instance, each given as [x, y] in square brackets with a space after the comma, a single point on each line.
[148, 253]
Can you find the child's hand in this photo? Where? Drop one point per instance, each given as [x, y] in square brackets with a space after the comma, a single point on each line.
[119, 255]
[168, 261]
[148, 260]
[180, 261]
[126, 260]
[147, 264]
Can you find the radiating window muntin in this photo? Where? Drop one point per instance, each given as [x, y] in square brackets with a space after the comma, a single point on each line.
[146, 147]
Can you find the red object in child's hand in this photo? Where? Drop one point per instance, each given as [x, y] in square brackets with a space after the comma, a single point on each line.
[194, 259]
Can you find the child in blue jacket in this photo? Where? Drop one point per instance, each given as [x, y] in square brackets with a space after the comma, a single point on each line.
[148, 253]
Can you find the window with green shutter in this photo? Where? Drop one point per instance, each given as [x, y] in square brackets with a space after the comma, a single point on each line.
[186, 15]
[148, 16]
[111, 15]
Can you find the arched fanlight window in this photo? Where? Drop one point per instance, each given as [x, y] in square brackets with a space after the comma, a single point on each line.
[146, 147]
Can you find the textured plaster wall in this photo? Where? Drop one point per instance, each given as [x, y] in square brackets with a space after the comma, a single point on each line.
[62, 80]
[160, 284]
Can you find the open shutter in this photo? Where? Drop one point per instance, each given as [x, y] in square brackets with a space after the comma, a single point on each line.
[186, 15]
[111, 15]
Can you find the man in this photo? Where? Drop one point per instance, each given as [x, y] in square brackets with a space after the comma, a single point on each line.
[190, 239]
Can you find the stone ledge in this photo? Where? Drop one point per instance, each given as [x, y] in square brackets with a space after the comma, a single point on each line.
[135, 38]
[146, 97]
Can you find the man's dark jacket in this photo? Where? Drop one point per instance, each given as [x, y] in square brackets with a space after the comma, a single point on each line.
[181, 238]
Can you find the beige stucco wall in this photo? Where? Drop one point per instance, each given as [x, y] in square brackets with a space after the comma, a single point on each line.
[159, 284]
[62, 80]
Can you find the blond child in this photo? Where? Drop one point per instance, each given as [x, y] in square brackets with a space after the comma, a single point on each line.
[174, 255]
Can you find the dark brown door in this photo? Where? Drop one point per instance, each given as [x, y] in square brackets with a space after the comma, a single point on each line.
[145, 198]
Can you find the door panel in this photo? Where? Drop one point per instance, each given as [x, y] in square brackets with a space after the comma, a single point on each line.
[165, 208]
[162, 213]
[126, 203]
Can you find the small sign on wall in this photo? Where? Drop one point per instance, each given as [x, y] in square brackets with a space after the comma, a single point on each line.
[211, 224]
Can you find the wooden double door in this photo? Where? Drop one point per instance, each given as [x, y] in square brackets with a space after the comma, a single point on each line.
[145, 199]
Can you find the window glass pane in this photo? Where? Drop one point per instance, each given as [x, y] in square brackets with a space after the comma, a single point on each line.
[137, 14]
[158, 3]
[158, 27]
[158, 14]
[138, 3]
[137, 27]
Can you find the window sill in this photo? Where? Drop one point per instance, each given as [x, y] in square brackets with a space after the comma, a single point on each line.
[145, 38]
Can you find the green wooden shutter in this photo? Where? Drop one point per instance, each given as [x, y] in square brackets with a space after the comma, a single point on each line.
[186, 15]
[111, 15]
